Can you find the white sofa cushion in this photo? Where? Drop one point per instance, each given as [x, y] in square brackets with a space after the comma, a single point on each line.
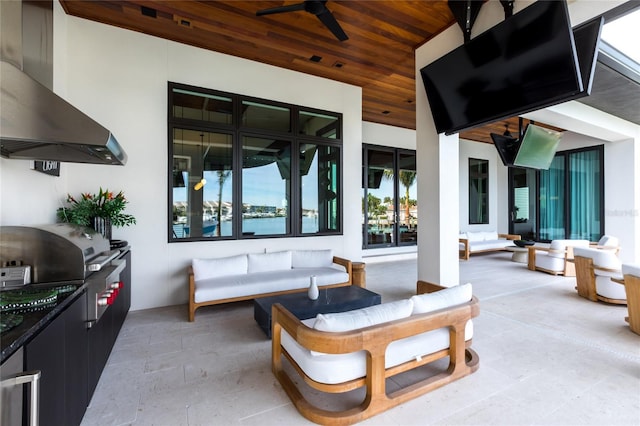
[490, 235]
[601, 258]
[211, 268]
[475, 236]
[364, 317]
[265, 262]
[631, 269]
[339, 368]
[451, 296]
[608, 241]
[228, 287]
[311, 258]
[558, 247]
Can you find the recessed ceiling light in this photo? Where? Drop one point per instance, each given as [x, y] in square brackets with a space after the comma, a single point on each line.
[147, 11]
[338, 65]
[315, 58]
[386, 112]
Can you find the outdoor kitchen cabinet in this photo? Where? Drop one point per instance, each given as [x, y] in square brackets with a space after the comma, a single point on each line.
[59, 351]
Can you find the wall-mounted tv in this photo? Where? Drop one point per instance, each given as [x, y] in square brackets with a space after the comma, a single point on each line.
[524, 63]
[535, 151]
[507, 147]
[537, 148]
[587, 40]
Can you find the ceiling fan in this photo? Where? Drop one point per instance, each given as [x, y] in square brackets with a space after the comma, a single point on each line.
[315, 7]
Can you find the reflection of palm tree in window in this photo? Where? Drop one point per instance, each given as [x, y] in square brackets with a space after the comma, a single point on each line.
[222, 177]
[407, 179]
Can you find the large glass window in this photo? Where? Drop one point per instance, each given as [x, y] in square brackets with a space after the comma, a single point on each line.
[319, 166]
[390, 212]
[478, 191]
[234, 174]
[266, 186]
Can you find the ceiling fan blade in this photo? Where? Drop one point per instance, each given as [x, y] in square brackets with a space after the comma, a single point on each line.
[327, 18]
[281, 9]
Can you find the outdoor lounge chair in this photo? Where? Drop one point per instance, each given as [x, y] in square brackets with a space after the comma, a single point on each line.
[594, 270]
[557, 259]
[632, 287]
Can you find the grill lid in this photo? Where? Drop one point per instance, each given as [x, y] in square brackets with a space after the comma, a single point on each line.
[55, 252]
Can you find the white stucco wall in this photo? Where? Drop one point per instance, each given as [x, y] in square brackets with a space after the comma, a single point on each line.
[119, 78]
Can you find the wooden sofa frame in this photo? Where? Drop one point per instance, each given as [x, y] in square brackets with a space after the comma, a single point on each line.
[374, 340]
[586, 280]
[354, 269]
[465, 253]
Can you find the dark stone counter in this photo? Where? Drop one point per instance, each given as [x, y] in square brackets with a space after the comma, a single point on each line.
[35, 319]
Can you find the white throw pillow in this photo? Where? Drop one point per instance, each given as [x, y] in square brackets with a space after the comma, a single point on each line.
[220, 267]
[441, 299]
[490, 235]
[364, 317]
[312, 258]
[264, 262]
[475, 236]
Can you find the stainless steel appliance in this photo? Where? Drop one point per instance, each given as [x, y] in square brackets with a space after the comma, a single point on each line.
[63, 253]
[36, 123]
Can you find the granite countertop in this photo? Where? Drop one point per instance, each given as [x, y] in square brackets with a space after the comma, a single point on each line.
[35, 319]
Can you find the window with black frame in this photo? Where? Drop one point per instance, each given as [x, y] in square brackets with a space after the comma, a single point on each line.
[478, 191]
[251, 168]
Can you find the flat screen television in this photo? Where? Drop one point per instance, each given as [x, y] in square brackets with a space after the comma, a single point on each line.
[537, 148]
[587, 40]
[507, 147]
[524, 63]
[535, 151]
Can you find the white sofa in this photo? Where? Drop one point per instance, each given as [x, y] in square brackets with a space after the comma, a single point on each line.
[339, 352]
[343, 351]
[471, 242]
[248, 276]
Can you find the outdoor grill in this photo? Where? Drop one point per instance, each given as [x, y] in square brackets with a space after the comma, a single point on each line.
[37, 257]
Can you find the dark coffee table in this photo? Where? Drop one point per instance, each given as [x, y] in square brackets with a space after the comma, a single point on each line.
[337, 299]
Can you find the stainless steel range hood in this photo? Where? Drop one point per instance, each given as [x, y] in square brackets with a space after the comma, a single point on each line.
[35, 123]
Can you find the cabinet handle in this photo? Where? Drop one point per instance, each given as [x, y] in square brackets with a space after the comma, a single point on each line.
[32, 377]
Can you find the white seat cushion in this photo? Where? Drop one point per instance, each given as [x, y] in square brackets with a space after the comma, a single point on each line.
[265, 282]
[631, 269]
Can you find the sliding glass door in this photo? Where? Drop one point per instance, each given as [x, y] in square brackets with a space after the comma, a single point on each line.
[564, 202]
[390, 213]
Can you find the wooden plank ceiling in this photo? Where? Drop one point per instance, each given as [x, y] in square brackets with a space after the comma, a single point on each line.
[378, 56]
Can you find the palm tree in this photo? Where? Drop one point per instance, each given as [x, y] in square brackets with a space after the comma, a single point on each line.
[407, 178]
[222, 177]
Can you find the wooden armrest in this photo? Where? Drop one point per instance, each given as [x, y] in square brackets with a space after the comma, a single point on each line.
[347, 265]
[465, 241]
[533, 249]
[423, 287]
[510, 236]
[603, 269]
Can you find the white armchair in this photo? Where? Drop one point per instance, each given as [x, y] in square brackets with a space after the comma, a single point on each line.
[557, 259]
[594, 270]
[632, 288]
[607, 242]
